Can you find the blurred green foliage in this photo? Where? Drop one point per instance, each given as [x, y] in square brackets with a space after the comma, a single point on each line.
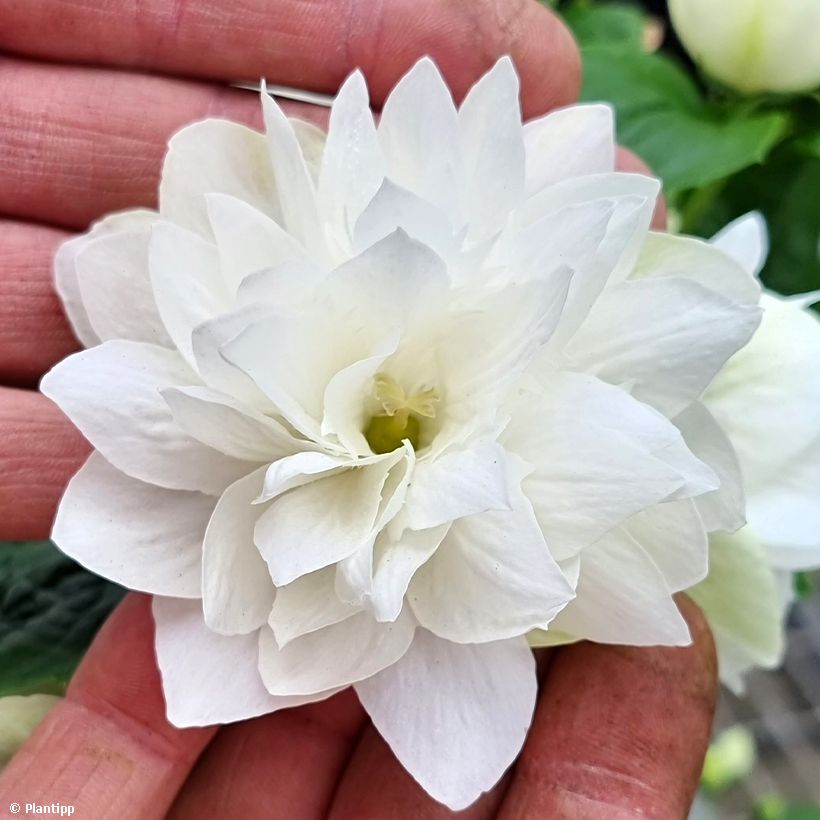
[719, 156]
[50, 609]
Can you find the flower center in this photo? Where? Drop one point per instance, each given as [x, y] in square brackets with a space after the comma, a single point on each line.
[402, 417]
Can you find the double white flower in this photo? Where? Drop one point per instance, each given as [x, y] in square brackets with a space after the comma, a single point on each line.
[378, 406]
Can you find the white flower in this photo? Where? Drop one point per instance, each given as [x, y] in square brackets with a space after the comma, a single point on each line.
[753, 45]
[767, 399]
[369, 407]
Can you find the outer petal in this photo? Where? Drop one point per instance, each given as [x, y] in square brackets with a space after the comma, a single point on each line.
[215, 156]
[673, 536]
[493, 148]
[577, 190]
[135, 534]
[115, 387]
[568, 143]
[599, 458]
[455, 716]
[419, 134]
[622, 598]
[320, 523]
[187, 281]
[665, 255]
[746, 240]
[237, 590]
[65, 268]
[350, 651]
[209, 678]
[666, 337]
[492, 577]
[112, 272]
[724, 508]
[740, 600]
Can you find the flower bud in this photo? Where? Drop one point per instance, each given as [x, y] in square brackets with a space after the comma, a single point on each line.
[753, 45]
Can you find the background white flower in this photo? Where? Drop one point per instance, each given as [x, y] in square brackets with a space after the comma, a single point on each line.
[374, 406]
[753, 45]
[767, 399]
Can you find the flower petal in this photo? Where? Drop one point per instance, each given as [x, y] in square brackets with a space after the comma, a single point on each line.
[229, 426]
[112, 394]
[187, 281]
[394, 207]
[493, 149]
[65, 267]
[599, 457]
[135, 534]
[320, 523]
[112, 271]
[667, 337]
[456, 484]
[741, 601]
[209, 678]
[724, 508]
[352, 163]
[297, 192]
[419, 134]
[622, 598]
[568, 143]
[237, 590]
[215, 156]
[433, 709]
[247, 240]
[395, 563]
[673, 536]
[350, 651]
[307, 604]
[746, 240]
[665, 255]
[778, 367]
[492, 577]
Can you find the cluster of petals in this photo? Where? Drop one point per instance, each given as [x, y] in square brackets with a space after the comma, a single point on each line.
[483, 298]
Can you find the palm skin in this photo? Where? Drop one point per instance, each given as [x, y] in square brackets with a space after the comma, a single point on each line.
[91, 92]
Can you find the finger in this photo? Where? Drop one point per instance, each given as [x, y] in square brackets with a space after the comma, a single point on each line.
[77, 143]
[376, 787]
[39, 451]
[619, 732]
[107, 748]
[34, 333]
[312, 45]
[633, 164]
[282, 765]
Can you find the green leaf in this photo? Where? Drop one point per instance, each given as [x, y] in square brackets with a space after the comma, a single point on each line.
[50, 609]
[663, 117]
[596, 24]
[785, 190]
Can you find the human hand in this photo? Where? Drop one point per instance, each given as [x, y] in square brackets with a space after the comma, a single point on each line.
[77, 142]
[618, 733]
